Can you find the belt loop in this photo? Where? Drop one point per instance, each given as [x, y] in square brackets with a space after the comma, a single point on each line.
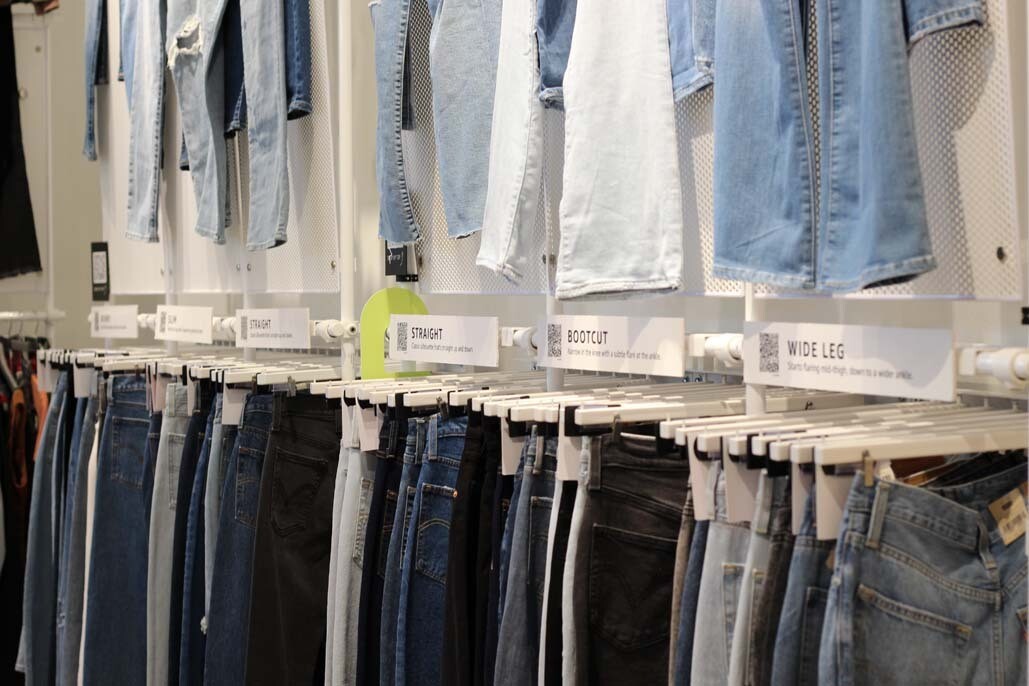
[594, 464]
[541, 449]
[984, 548]
[875, 527]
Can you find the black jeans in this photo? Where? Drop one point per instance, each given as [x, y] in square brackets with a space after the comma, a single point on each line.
[484, 549]
[292, 543]
[501, 504]
[17, 227]
[552, 654]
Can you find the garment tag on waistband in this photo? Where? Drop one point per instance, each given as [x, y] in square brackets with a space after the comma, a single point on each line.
[1009, 511]
[368, 427]
[510, 449]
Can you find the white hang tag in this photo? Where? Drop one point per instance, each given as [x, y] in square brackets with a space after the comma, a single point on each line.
[801, 483]
[741, 485]
[703, 475]
[830, 499]
[368, 428]
[355, 425]
[347, 419]
[43, 372]
[84, 378]
[569, 451]
[233, 400]
[510, 448]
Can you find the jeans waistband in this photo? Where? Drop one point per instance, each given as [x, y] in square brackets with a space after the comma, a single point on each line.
[440, 429]
[416, 431]
[176, 402]
[257, 405]
[128, 390]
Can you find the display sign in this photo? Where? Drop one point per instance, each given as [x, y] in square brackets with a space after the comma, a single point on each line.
[114, 321]
[274, 328]
[629, 345]
[447, 340]
[100, 272]
[875, 360]
[184, 324]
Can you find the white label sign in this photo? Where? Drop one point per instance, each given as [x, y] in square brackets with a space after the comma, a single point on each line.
[904, 363]
[448, 340]
[628, 345]
[273, 328]
[186, 324]
[114, 321]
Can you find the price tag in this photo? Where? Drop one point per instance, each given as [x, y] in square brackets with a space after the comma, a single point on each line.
[114, 321]
[100, 272]
[875, 360]
[629, 345]
[1010, 514]
[184, 324]
[447, 340]
[280, 328]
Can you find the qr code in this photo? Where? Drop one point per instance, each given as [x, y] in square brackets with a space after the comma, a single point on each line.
[554, 334]
[402, 337]
[769, 353]
[243, 327]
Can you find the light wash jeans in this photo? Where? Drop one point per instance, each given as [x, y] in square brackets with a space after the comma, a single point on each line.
[621, 180]
[691, 41]
[127, 12]
[555, 22]
[162, 532]
[464, 33]
[515, 176]
[96, 69]
[337, 509]
[574, 599]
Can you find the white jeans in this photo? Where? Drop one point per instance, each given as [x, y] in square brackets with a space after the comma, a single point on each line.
[621, 211]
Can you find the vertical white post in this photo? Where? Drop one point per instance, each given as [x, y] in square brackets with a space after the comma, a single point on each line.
[171, 296]
[346, 208]
[755, 396]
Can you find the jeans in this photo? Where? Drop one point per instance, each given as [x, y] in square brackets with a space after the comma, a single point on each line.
[424, 570]
[96, 30]
[519, 642]
[41, 566]
[337, 510]
[691, 38]
[413, 452]
[682, 561]
[161, 571]
[501, 507]
[724, 558]
[688, 606]
[574, 597]
[629, 535]
[507, 538]
[550, 638]
[292, 546]
[485, 549]
[926, 568]
[515, 171]
[127, 13]
[63, 525]
[390, 22]
[464, 32]
[771, 517]
[229, 614]
[795, 660]
[555, 20]
[222, 442]
[73, 554]
[114, 643]
[354, 518]
[377, 535]
[621, 180]
[191, 643]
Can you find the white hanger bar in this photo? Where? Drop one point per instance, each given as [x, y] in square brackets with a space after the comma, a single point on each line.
[300, 375]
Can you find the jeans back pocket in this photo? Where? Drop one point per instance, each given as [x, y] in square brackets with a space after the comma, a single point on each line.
[432, 545]
[127, 459]
[297, 479]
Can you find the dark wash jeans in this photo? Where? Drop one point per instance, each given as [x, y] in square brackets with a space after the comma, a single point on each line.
[294, 540]
[484, 553]
[552, 653]
[114, 650]
[501, 505]
[631, 530]
[228, 618]
[688, 605]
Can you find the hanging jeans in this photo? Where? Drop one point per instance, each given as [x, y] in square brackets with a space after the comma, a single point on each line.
[691, 41]
[621, 180]
[555, 20]
[114, 643]
[96, 67]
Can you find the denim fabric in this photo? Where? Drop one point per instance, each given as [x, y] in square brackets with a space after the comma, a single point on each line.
[481, 617]
[114, 642]
[424, 570]
[636, 494]
[688, 606]
[73, 472]
[41, 566]
[73, 555]
[573, 596]
[515, 174]
[153, 444]
[128, 10]
[96, 30]
[413, 451]
[161, 571]
[771, 515]
[724, 558]
[501, 507]
[621, 181]
[803, 611]
[191, 642]
[682, 561]
[232, 42]
[519, 642]
[337, 511]
[873, 225]
[356, 503]
[925, 586]
[297, 25]
[222, 439]
[691, 37]
[390, 22]
[507, 539]
[229, 614]
[90, 511]
[464, 32]
[555, 20]
[146, 120]
[550, 638]
[377, 534]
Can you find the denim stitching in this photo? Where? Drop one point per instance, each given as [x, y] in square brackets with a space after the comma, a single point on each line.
[940, 20]
[398, 107]
[907, 612]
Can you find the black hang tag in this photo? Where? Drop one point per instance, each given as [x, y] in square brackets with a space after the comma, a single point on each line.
[101, 275]
[398, 263]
